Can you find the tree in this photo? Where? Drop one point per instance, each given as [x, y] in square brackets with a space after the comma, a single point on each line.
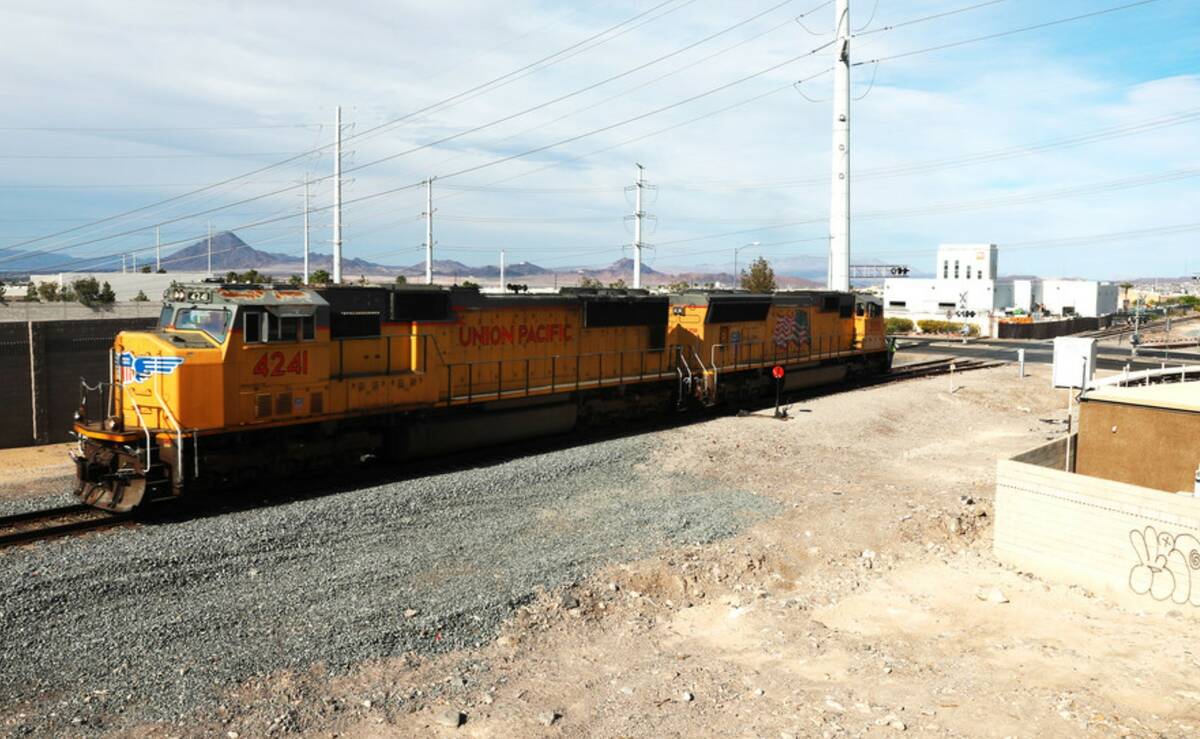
[401, 280]
[590, 282]
[760, 278]
[618, 285]
[145, 269]
[140, 297]
[86, 290]
[161, 271]
[320, 277]
[231, 276]
[679, 287]
[295, 280]
[31, 292]
[106, 296]
[362, 280]
[47, 292]
[469, 283]
[3, 293]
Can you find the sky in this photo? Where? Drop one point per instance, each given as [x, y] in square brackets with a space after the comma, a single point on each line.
[1072, 146]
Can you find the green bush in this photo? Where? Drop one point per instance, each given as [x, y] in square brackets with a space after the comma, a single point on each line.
[898, 325]
[946, 327]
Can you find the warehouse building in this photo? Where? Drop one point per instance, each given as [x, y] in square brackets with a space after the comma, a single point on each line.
[966, 288]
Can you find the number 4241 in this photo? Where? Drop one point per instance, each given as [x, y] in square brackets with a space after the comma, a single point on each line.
[275, 364]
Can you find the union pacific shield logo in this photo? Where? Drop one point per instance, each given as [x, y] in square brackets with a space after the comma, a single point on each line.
[137, 369]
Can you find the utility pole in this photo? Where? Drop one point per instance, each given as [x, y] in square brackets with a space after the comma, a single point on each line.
[123, 257]
[306, 228]
[337, 197]
[638, 214]
[210, 248]
[839, 207]
[429, 230]
[157, 250]
[133, 254]
[503, 289]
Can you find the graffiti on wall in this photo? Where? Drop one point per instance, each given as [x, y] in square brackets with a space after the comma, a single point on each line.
[1168, 566]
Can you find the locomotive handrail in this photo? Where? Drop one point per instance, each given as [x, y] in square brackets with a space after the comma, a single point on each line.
[142, 422]
[572, 380]
[178, 430]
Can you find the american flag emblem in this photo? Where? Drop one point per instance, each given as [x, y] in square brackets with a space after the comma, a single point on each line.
[137, 369]
[791, 329]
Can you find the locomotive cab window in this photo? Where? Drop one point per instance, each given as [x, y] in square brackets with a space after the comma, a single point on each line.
[212, 321]
[289, 328]
[252, 321]
[164, 318]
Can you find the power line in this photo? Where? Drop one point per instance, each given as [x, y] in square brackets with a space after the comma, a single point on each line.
[984, 157]
[370, 130]
[214, 155]
[573, 93]
[922, 19]
[1001, 34]
[467, 170]
[151, 129]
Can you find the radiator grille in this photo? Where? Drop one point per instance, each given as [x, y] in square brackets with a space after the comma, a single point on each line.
[316, 403]
[262, 405]
[283, 404]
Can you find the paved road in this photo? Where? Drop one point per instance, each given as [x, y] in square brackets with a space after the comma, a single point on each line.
[1042, 352]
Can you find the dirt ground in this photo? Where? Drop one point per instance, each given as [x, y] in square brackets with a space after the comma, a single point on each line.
[870, 606]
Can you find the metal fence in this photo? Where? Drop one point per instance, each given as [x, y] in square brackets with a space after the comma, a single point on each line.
[41, 363]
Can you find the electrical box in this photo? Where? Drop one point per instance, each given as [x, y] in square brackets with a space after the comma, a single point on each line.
[1074, 361]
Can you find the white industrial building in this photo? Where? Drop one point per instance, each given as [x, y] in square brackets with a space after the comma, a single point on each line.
[965, 288]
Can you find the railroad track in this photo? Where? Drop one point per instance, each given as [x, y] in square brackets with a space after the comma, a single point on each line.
[935, 367]
[23, 528]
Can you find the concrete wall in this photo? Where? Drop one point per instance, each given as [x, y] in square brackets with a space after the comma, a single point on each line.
[16, 310]
[42, 363]
[125, 285]
[1137, 546]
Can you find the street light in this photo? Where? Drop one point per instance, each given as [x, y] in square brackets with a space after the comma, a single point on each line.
[735, 260]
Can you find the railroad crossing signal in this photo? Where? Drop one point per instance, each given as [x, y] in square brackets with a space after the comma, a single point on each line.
[867, 271]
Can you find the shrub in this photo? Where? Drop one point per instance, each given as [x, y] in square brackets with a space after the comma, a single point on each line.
[898, 325]
[946, 327]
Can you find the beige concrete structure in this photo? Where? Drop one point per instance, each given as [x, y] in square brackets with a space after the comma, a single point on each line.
[1135, 545]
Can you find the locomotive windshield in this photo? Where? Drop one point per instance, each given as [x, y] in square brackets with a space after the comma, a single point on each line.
[212, 321]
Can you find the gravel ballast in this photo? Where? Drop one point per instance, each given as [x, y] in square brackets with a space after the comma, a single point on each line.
[153, 622]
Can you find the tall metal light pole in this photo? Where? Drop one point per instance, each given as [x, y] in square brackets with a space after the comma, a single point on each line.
[157, 250]
[503, 289]
[638, 214]
[429, 230]
[736, 274]
[839, 206]
[210, 248]
[337, 197]
[306, 228]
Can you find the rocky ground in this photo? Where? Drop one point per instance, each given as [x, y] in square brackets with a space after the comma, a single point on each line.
[828, 575]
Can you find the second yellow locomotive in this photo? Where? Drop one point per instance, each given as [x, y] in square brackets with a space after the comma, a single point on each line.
[239, 383]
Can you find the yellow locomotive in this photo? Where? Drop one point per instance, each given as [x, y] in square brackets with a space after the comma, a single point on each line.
[242, 382]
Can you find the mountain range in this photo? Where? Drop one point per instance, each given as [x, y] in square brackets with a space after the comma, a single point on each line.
[230, 253]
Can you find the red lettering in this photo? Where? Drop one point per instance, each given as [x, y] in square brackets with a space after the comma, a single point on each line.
[278, 359]
[541, 334]
[261, 367]
[566, 333]
[507, 333]
[464, 335]
[523, 334]
[497, 335]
